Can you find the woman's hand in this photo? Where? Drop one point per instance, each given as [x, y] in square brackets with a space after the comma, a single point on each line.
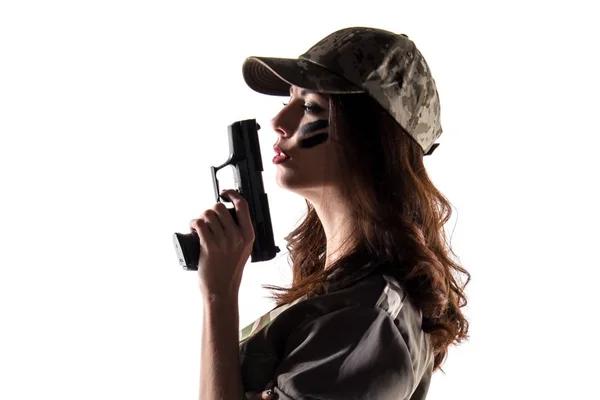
[224, 246]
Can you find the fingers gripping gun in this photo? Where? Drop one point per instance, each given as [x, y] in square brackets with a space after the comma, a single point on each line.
[247, 162]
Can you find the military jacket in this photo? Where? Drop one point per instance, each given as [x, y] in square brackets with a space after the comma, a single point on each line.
[360, 340]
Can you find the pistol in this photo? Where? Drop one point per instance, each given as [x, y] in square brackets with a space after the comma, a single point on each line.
[244, 156]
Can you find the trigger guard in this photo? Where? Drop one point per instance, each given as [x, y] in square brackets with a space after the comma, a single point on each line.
[225, 199]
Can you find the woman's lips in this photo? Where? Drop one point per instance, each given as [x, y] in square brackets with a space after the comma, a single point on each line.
[278, 159]
[280, 156]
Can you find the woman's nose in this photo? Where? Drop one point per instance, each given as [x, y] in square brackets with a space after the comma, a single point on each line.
[280, 128]
[284, 123]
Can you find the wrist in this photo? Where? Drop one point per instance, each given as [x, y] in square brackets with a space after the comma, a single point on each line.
[220, 301]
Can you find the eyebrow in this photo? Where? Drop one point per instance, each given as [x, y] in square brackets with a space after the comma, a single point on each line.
[303, 92]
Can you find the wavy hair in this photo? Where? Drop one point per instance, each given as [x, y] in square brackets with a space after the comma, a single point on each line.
[398, 219]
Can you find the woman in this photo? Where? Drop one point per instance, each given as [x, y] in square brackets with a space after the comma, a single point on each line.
[375, 301]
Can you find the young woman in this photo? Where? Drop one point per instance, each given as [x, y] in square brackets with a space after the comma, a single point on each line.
[376, 297]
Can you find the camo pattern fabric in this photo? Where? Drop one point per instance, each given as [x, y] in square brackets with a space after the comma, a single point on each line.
[386, 65]
[391, 301]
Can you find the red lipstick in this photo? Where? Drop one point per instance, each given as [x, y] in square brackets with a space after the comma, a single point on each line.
[280, 156]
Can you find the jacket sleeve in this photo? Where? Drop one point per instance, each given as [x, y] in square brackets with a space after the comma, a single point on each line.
[353, 353]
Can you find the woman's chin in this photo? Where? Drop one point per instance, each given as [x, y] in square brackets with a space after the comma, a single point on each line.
[291, 181]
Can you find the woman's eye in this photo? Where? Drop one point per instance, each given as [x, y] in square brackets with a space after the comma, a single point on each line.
[309, 108]
[313, 108]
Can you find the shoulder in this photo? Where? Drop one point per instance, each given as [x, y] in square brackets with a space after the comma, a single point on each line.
[367, 337]
[378, 296]
[374, 303]
[377, 293]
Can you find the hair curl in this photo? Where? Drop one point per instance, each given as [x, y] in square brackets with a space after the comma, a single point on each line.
[398, 218]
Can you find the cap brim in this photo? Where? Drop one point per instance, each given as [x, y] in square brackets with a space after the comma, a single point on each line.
[274, 76]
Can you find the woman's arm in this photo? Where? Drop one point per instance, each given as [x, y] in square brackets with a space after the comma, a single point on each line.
[220, 375]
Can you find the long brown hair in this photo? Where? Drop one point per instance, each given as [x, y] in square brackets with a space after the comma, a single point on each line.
[398, 219]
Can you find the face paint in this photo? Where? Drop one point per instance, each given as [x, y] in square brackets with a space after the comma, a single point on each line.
[314, 141]
[313, 127]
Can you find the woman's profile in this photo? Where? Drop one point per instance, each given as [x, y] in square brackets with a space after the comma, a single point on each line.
[376, 297]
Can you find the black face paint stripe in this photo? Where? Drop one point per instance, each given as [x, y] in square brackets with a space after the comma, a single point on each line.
[314, 126]
[314, 140]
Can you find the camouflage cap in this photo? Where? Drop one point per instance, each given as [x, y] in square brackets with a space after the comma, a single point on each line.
[386, 65]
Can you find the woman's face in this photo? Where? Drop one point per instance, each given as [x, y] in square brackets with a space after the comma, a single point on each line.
[303, 135]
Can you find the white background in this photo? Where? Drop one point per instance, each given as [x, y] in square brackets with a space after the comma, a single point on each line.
[112, 112]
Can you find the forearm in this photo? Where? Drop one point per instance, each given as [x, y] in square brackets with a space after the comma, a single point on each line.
[221, 378]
